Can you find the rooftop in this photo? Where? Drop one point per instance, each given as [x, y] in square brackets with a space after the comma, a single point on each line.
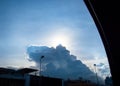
[21, 71]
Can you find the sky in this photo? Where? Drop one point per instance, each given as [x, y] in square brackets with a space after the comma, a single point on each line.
[26, 23]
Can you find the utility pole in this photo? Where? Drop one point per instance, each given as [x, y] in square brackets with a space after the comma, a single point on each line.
[40, 63]
[96, 74]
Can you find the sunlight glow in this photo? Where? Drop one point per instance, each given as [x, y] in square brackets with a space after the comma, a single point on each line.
[60, 39]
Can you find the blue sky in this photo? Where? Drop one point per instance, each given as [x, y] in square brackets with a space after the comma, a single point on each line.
[47, 23]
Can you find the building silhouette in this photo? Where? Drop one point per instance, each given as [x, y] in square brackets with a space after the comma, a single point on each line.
[22, 77]
[78, 83]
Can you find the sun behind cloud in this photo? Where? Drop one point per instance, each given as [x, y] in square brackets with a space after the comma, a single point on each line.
[60, 39]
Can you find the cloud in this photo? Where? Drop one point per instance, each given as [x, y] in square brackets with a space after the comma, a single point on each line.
[59, 63]
[103, 70]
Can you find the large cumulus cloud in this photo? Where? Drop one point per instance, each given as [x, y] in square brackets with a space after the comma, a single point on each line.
[58, 62]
